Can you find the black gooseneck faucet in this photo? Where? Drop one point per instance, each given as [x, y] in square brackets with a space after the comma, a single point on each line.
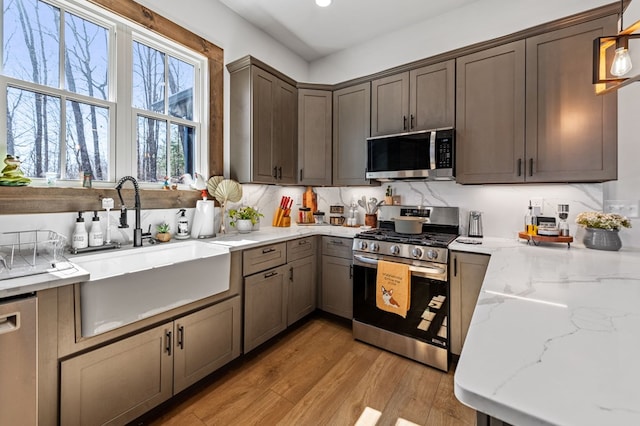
[137, 231]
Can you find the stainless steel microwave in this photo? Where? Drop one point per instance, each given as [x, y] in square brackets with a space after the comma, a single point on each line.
[424, 155]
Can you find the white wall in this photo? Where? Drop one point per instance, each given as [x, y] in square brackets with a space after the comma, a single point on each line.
[480, 21]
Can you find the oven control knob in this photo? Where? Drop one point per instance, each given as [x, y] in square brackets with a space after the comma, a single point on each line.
[394, 249]
[416, 252]
[374, 247]
[362, 245]
[432, 254]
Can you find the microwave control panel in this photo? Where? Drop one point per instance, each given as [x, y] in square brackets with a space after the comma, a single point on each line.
[444, 149]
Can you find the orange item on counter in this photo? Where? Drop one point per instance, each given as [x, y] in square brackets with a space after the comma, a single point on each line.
[310, 200]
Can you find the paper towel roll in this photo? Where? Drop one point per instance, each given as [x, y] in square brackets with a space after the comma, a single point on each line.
[203, 219]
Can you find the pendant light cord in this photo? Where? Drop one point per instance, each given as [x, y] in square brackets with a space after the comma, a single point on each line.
[621, 13]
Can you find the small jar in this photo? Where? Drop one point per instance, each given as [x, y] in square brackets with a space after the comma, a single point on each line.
[304, 215]
[86, 181]
[318, 217]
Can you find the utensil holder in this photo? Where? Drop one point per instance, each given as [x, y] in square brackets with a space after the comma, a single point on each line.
[371, 220]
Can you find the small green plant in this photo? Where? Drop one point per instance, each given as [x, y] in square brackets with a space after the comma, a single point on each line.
[163, 228]
[610, 221]
[244, 213]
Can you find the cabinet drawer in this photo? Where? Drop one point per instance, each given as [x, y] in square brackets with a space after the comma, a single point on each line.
[265, 257]
[338, 247]
[301, 248]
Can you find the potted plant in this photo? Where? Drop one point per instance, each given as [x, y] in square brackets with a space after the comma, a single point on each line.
[601, 229]
[162, 233]
[244, 218]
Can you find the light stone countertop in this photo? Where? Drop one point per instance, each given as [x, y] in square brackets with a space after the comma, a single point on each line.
[555, 336]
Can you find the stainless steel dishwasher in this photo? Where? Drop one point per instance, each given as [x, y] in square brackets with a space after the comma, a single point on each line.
[18, 359]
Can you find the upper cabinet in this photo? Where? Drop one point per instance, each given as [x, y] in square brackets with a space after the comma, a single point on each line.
[263, 125]
[314, 136]
[527, 111]
[419, 99]
[490, 115]
[351, 128]
[571, 133]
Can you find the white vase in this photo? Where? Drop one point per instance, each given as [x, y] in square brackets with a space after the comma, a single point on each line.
[244, 226]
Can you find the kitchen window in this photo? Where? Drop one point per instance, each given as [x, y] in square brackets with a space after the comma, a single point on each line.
[85, 91]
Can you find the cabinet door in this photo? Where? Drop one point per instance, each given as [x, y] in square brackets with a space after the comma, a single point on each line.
[285, 142]
[571, 131]
[91, 392]
[490, 115]
[265, 306]
[351, 128]
[432, 96]
[302, 288]
[263, 92]
[466, 280]
[205, 341]
[337, 286]
[314, 137]
[390, 105]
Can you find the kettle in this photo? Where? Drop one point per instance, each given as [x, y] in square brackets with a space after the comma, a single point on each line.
[475, 224]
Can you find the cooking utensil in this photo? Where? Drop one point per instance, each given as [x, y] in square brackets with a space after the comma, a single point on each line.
[363, 203]
[371, 205]
[408, 225]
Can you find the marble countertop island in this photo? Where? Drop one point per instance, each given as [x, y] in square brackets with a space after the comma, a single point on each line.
[555, 336]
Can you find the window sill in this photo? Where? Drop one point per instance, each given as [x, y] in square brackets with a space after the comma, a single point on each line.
[28, 199]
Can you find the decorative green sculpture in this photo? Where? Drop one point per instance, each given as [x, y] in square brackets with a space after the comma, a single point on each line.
[11, 174]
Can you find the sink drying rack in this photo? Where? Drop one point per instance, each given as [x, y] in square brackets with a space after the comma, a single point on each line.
[31, 252]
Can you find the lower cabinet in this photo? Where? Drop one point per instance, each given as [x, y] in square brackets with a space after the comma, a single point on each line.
[467, 274]
[276, 298]
[119, 382]
[302, 289]
[265, 306]
[337, 274]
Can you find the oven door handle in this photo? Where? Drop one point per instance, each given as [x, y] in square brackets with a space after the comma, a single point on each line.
[422, 270]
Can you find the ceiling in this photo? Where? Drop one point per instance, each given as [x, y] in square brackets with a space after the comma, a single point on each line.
[314, 32]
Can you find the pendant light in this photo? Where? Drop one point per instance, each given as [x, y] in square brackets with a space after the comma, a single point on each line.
[323, 3]
[611, 77]
[622, 60]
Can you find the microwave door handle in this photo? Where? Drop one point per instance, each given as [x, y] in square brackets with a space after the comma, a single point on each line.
[432, 150]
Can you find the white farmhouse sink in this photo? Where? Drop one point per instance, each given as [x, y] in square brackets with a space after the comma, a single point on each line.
[129, 285]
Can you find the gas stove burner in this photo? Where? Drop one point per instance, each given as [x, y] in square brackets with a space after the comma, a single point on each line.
[432, 239]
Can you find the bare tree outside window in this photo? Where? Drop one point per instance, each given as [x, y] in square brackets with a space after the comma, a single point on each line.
[156, 76]
[32, 49]
[61, 106]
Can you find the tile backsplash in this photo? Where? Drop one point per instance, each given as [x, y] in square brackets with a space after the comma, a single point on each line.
[503, 206]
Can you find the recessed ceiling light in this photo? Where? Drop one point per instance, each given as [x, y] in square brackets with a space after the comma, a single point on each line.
[323, 3]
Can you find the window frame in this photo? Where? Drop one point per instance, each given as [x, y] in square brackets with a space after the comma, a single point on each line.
[51, 200]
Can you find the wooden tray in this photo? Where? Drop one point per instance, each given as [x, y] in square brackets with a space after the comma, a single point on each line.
[536, 239]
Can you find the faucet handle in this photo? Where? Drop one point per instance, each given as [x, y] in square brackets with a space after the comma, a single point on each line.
[123, 218]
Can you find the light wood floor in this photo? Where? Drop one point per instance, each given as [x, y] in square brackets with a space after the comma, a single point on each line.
[316, 374]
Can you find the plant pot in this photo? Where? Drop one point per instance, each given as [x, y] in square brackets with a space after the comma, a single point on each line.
[163, 236]
[602, 239]
[244, 226]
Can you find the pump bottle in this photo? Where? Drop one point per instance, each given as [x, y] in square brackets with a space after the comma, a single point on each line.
[80, 238]
[183, 225]
[95, 234]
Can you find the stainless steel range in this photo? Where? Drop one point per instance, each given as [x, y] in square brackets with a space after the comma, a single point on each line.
[423, 334]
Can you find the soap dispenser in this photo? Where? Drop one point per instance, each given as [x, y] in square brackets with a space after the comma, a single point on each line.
[80, 238]
[95, 234]
[183, 225]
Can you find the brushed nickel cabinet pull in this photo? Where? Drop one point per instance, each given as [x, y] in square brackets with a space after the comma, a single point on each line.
[519, 166]
[412, 121]
[268, 250]
[270, 274]
[275, 172]
[404, 124]
[279, 172]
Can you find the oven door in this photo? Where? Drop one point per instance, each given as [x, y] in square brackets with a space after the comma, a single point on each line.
[426, 319]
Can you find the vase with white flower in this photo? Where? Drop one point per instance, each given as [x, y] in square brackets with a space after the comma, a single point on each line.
[601, 230]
